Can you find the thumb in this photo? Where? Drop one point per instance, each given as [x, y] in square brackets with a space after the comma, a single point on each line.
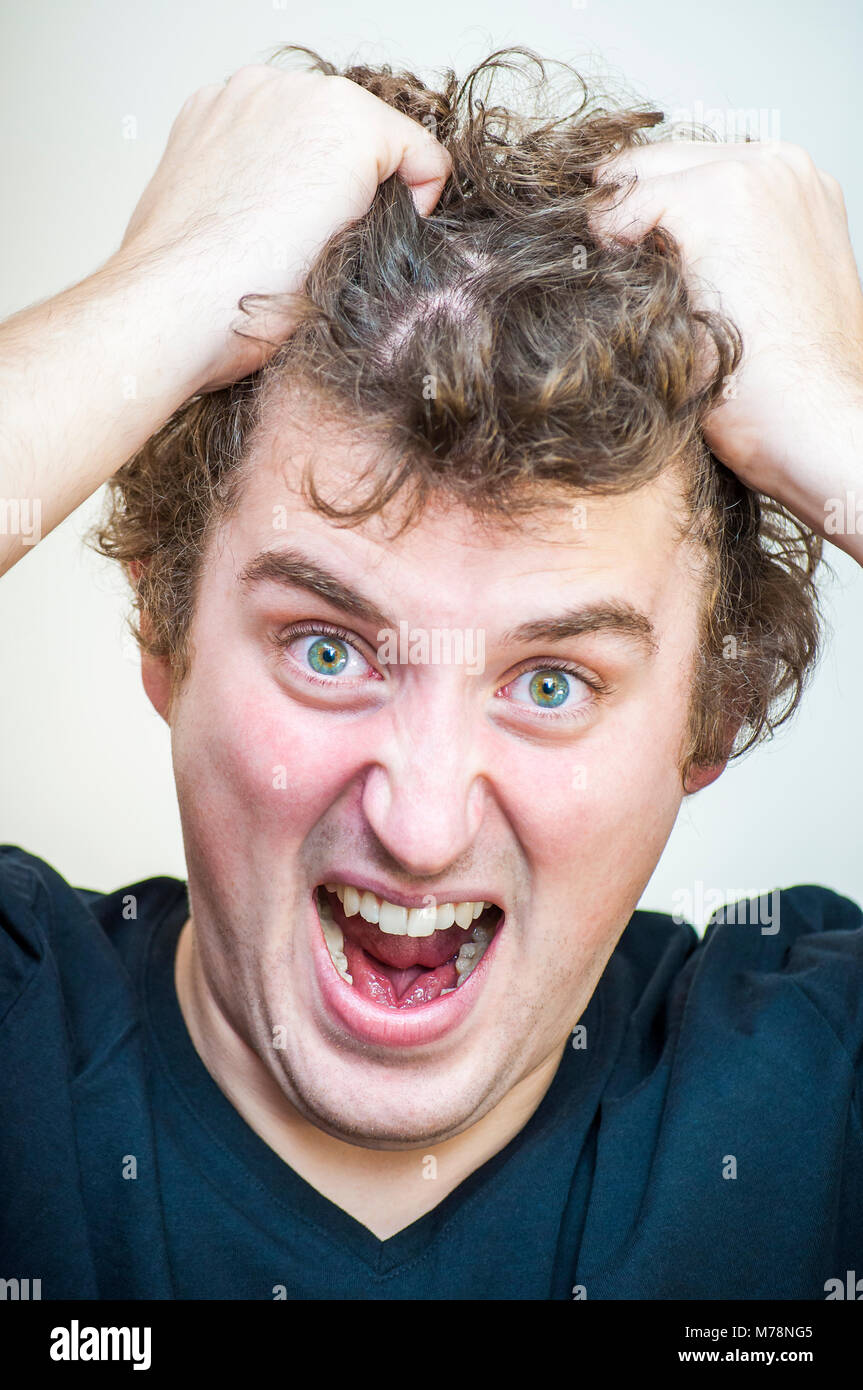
[628, 212]
[425, 166]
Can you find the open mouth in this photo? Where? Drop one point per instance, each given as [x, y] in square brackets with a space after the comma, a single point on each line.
[401, 957]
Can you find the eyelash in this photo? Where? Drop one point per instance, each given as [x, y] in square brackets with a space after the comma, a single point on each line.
[287, 635]
[599, 687]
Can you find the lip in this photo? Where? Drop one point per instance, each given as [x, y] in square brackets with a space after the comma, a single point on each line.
[392, 895]
[394, 1028]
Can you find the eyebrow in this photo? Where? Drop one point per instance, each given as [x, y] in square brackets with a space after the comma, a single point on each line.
[615, 615]
[296, 570]
[293, 568]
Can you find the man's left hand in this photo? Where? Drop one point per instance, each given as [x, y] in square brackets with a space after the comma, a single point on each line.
[764, 235]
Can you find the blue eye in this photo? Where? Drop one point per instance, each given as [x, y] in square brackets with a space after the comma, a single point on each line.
[553, 690]
[324, 656]
[328, 656]
[325, 663]
[549, 689]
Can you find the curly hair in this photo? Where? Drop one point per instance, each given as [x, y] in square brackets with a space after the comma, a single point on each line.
[501, 355]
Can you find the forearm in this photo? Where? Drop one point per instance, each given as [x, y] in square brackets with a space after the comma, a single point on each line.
[85, 378]
[842, 515]
[821, 481]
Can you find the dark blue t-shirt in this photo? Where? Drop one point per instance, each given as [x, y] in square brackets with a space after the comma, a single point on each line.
[706, 1142]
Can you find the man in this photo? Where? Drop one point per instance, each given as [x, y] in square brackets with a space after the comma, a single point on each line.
[437, 554]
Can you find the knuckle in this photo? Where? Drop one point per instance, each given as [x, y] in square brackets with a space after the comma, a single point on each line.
[200, 95]
[322, 90]
[795, 157]
[250, 75]
[831, 185]
[343, 89]
[734, 177]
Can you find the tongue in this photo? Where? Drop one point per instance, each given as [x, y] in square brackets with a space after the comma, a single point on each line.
[397, 988]
[403, 979]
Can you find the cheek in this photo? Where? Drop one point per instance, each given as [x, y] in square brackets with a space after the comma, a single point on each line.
[594, 819]
[602, 807]
[260, 767]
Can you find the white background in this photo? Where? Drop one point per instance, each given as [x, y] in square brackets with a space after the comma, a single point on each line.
[85, 775]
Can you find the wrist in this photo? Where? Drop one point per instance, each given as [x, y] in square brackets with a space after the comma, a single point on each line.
[174, 337]
[826, 491]
[811, 460]
[188, 295]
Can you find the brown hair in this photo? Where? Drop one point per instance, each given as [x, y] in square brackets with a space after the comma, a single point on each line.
[496, 352]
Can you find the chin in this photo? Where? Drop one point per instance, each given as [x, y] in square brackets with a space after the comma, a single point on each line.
[390, 1114]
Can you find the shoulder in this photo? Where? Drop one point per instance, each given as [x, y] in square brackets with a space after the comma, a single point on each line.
[783, 968]
[796, 947]
[789, 931]
[68, 937]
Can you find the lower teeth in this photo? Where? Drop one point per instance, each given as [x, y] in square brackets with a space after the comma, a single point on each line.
[470, 953]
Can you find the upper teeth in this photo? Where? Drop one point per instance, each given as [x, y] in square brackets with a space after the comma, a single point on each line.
[469, 955]
[404, 921]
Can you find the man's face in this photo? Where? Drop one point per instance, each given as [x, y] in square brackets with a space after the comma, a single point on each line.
[536, 768]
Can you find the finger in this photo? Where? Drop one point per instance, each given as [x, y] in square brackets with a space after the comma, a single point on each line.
[665, 158]
[649, 179]
[252, 75]
[628, 214]
[425, 167]
[419, 159]
[833, 188]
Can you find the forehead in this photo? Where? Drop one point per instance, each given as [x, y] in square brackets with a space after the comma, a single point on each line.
[627, 545]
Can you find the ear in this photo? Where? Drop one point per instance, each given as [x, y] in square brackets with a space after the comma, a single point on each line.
[156, 678]
[155, 670]
[700, 776]
[697, 778]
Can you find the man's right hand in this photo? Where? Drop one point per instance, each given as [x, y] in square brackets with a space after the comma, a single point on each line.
[257, 175]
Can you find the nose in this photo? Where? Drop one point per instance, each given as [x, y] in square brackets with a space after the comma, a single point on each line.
[425, 795]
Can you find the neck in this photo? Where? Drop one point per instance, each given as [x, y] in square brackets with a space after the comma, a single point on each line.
[376, 1187]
